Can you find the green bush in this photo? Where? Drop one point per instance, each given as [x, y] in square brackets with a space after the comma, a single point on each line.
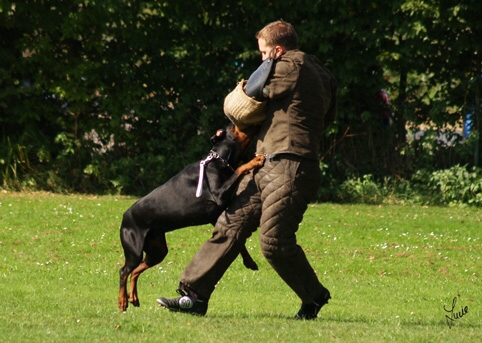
[361, 190]
[455, 186]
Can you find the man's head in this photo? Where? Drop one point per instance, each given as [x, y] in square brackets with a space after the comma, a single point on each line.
[276, 38]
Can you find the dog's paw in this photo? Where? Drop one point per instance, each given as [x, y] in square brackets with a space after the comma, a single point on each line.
[259, 160]
[122, 306]
[135, 302]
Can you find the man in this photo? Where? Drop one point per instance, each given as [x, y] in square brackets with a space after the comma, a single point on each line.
[301, 102]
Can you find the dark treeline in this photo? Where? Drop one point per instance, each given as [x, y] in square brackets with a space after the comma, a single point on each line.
[117, 96]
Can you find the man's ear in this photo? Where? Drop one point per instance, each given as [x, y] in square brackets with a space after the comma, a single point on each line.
[279, 51]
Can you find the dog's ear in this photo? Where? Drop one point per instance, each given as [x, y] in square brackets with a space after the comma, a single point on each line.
[220, 134]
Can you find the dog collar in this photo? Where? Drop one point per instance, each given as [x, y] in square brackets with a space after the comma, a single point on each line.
[212, 155]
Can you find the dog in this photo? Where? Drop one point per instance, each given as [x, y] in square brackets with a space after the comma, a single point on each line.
[195, 196]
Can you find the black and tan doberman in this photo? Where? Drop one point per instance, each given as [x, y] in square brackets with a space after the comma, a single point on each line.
[195, 196]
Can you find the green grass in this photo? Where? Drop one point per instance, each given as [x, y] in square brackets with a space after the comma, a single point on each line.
[390, 269]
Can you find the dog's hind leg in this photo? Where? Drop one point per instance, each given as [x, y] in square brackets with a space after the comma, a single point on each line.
[133, 298]
[122, 298]
[124, 272]
[132, 240]
[156, 249]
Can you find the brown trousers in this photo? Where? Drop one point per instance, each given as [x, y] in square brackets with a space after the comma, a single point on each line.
[274, 198]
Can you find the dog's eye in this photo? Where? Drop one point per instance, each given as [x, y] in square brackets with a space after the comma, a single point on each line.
[218, 135]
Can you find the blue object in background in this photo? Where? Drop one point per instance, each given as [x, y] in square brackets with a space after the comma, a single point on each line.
[467, 125]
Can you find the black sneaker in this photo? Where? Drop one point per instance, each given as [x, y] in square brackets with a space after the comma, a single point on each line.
[185, 303]
[310, 311]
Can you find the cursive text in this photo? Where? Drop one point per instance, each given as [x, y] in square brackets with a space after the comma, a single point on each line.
[452, 315]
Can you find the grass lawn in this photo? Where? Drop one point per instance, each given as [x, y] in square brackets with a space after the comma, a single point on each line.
[393, 271]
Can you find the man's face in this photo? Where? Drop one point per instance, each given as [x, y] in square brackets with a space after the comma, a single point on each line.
[264, 49]
[269, 51]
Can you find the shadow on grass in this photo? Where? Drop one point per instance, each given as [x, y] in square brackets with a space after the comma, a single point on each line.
[247, 316]
[467, 324]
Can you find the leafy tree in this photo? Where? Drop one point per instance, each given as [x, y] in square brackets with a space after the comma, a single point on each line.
[119, 95]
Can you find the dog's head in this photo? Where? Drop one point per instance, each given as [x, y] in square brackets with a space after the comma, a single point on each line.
[231, 143]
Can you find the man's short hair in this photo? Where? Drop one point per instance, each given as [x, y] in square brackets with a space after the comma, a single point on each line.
[279, 33]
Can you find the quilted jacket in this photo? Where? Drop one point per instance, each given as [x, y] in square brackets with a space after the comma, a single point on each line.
[302, 102]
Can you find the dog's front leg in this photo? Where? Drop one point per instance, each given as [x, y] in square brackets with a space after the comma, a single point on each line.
[224, 194]
[256, 162]
[247, 259]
